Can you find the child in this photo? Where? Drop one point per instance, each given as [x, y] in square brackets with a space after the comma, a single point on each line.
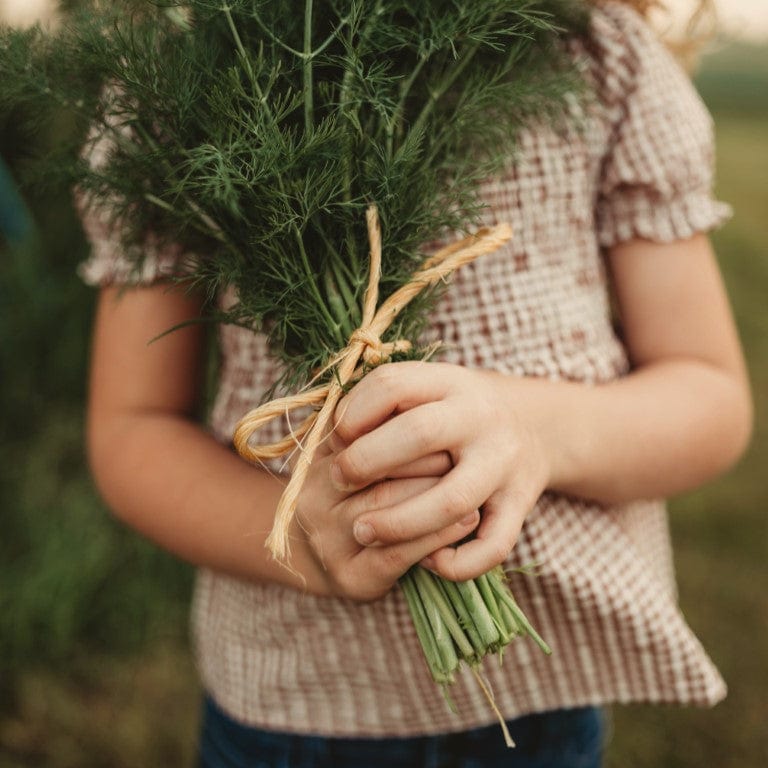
[563, 433]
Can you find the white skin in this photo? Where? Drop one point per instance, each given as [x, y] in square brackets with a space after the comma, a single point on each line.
[418, 448]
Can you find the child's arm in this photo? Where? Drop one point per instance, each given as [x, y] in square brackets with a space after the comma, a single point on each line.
[156, 469]
[682, 416]
[163, 475]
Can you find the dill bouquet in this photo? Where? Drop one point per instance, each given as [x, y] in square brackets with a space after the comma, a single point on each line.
[282, 143]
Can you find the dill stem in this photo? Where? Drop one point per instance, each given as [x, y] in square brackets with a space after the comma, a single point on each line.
[446, 649]
[342, 277]
[430, 591]
[213, 229]
[435, 662]
[349, 236]
[309, 107]
[465, 617]
[333, 325]
[394, 124]
[239, 43]
[242, 53]
[510, 625]
[299, 54]
[352, 316]
[337, 303]
[346, 84]
[505, 596]
[490, 602]
[443, 86]
[479, 612]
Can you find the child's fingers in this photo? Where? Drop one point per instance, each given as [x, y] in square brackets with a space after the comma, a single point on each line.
[497, 534]
[333, 441]
[404, 439]
[454, 498]
[394, 560]
[330, 536]
[317, 491]
[389, 389]
[383, 495]
[435, 465]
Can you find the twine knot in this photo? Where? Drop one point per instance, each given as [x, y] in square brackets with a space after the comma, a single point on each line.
[364, 343]
[375, 350]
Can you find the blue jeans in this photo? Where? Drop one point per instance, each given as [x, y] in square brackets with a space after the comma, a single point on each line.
[566, 738]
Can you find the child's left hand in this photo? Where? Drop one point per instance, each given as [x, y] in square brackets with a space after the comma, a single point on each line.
[483, 420]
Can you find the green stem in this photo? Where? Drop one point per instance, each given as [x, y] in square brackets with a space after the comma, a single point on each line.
[212, 228]
[300, 54]
[505, 596]
[435, 660]
[451, 591]
[483, 584]
[333, 325]
[307, 67]
[432, 596]
[352, 317]
[479, 612]
[450, 78]
[246, 62]
[345, 278]
[337, 304]
[399, 110]
[442, 637]
[346, 85]
[510, 625]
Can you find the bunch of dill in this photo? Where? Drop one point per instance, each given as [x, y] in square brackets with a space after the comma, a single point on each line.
[255, 134]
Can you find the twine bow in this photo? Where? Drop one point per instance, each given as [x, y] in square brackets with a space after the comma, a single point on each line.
[364, 343]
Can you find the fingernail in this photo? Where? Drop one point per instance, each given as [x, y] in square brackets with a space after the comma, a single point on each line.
[469, 520]
[364, 534]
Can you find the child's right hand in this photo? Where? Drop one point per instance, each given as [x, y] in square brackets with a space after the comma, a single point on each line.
[327, 517]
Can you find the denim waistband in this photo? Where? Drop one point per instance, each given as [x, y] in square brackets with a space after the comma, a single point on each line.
[566, 738]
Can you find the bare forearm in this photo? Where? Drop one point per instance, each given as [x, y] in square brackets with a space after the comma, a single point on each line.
[666, 428]
[172, 482]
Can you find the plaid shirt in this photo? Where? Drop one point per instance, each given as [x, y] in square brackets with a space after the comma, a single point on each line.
[604, 594]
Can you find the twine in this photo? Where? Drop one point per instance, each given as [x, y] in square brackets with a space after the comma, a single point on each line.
[364, 343]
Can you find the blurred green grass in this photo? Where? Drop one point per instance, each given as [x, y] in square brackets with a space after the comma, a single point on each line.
[95, 667]
[93, 640]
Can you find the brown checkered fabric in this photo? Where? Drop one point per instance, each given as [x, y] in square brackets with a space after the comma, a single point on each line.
[604, 597]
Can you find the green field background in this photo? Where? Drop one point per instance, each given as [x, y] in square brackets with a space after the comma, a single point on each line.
[95, 668]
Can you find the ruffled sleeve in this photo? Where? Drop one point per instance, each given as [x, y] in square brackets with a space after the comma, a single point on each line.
[657, 177]
[111, 261]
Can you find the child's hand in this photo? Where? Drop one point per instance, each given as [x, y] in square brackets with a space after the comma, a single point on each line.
[485, 421]
[327, 515]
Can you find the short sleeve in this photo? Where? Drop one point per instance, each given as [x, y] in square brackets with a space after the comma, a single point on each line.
[657, 177]
[111, 261]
